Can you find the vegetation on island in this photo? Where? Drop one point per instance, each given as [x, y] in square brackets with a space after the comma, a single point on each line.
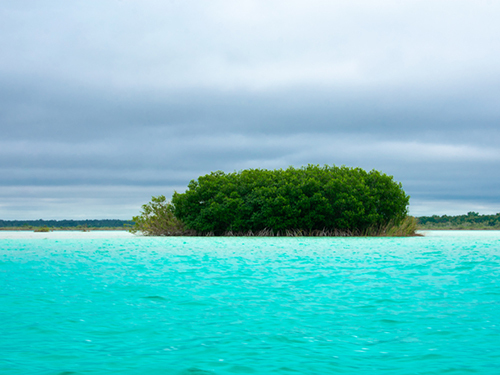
[307, 201]
[157, 219]
[42, 229]
[473, 220]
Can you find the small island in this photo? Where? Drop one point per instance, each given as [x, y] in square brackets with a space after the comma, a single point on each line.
[308, 201]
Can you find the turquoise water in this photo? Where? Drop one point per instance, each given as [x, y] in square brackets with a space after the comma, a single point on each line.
[112, 303]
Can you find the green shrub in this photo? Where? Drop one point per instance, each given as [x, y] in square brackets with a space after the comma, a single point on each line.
[42, 229]
[306, 200]
[157, 219]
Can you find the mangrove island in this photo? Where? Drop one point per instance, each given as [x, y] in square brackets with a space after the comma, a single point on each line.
[306, 201]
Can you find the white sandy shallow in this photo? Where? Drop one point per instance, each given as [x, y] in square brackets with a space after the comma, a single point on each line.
[66, 234]
[111, 234]
[461, 233]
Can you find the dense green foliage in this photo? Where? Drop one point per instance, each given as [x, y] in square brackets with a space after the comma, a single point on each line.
[66, 224]
[307, 199]
[157, 219]
[470, 221]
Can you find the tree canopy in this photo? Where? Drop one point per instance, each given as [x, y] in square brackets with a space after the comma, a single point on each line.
[308, 198]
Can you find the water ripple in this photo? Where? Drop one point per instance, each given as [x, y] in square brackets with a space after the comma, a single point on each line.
[132, 305]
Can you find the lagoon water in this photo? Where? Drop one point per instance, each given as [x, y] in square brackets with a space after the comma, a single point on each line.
[113, 303]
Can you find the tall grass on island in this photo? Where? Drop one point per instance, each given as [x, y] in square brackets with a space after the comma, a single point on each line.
[308, 201]
[42, 229]
[157, 219]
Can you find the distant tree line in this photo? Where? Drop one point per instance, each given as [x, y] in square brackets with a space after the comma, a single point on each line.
[473, 220]
[106, 223]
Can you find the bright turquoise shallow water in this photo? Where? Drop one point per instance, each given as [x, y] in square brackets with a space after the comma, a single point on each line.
[111, 303]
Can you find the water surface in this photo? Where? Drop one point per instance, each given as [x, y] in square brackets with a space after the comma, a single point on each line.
[113, 303]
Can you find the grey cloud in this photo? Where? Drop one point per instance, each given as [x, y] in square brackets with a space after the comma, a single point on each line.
[133, 97]
[62, 112]
[258, 47]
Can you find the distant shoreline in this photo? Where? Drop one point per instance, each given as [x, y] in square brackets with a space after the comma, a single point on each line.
[21, 229]
[79, 229]
[470, 221]
[78, 225]
[457, 229]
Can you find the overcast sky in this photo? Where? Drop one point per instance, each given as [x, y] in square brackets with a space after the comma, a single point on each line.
[106, 103]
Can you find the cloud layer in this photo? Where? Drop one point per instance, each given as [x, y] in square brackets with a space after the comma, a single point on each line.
[104, 104]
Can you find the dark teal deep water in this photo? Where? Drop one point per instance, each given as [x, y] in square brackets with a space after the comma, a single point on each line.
[110, 303]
